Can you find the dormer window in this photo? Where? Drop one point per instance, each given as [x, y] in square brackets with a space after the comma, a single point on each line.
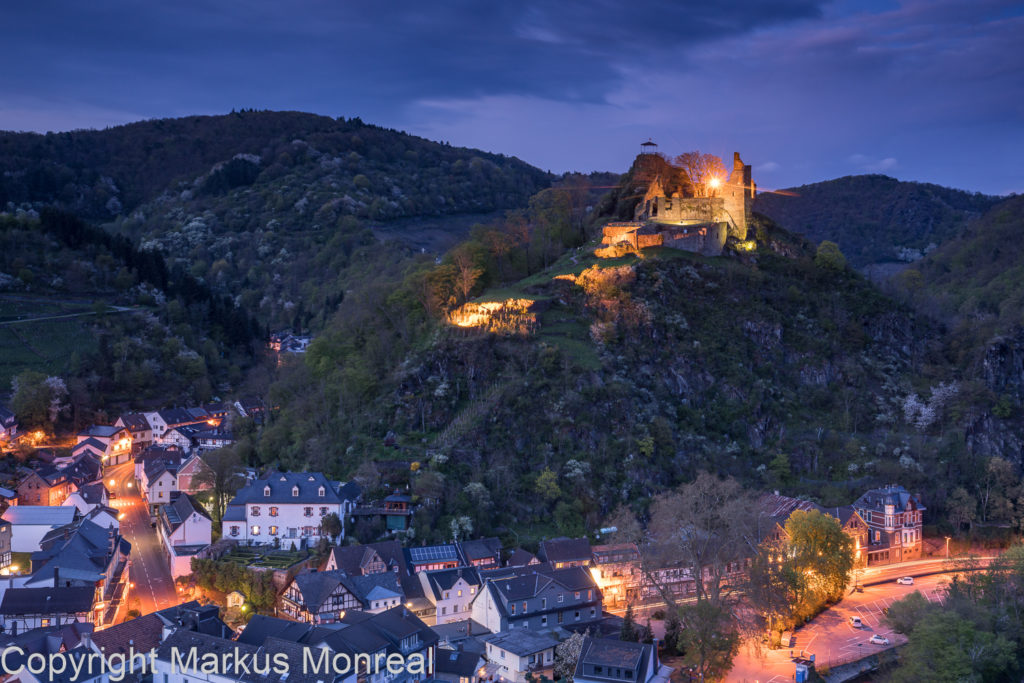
[266, 491]
[321, 491]
[295, 492]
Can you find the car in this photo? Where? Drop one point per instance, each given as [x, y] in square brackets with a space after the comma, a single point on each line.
[856, 622]
[905, 580]
[878, 640]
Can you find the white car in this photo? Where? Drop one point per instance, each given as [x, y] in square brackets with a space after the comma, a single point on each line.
[905, 580]
[856, 622]
[878, 640]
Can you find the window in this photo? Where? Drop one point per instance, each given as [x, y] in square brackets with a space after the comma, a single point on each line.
[308, 512]
[46, 622]
[544, 621]
[576, 595]
[444, 610]
[447, 595]
[273, 531]
[577, 615]
[472, 591]
[234, 530]
[590, 595]
[560, 597]
[323, 511]
[511, 608]
[266, 492]
[524, 606]
[273, 512]
[321, 491]
[255, 512]
[459, 593]
[561, 617]
[255, 529]
[543, 603]
[593, 611]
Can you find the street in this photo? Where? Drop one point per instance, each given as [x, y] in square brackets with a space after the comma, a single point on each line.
[152, 588]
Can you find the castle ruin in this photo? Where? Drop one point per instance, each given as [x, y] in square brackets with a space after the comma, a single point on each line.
[670, 218]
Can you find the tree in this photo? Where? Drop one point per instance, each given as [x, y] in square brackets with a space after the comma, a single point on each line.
[547, 485]
[820, 551]
[772, 584]
[710, 638]
[829, 257]
[705, 172]
[466, 271]
[221, 475]
[330, 525]
[567, 653]
[629, 630]
[962, 507]
[38, 400]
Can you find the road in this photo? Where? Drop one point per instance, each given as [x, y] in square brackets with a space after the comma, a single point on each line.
[152, 587]
[832, 638]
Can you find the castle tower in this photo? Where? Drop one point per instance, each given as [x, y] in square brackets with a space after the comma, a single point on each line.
[739, 197]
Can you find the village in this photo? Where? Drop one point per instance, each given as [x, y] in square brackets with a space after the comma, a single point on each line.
[113, 544]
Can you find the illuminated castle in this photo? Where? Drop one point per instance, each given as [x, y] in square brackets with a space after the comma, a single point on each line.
[674, 218]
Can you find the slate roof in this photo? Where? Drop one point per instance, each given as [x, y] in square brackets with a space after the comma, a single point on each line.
[180, 508]
[101, 431]
[93, 493]
[281, 484]
[462, 664]
[7, 418]
[877, 499]
[53, 515]
[80, 551]
[565, 550]
[91, 443]
[74, 600]
[521, 641]
[440, 580]
[608, 652]
[154, 467]
[316, 587]
[261, 627]
[520, 558]
[179, 416]
[353, 558]
[481, 549]
[135, 422]
[523, 585]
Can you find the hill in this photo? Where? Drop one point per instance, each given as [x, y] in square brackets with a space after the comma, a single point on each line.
[874, 218]
[271, 207]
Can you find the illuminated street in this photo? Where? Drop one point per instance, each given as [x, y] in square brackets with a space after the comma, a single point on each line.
[153, 588]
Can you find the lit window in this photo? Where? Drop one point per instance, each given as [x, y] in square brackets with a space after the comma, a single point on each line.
[273, 512]
[323, 511]
[273, 531]
[255, 529]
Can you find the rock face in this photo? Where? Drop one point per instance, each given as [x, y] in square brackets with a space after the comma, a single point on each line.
[510, 317]
[1003, 365]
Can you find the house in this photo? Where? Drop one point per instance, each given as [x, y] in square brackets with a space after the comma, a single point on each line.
[397, 512]
[372, 558]
[88, 497]
[185, 528]
[90, 445]
[603, 660]
[451, 591]
[138, 428]
[85, 554]
[234, 599]
[518, 653]
[31, 523]
[45, 641]
[459, 667]
[324, 597]
[184, 437]
[8, 424]
[521, 558]
[27, 608]
[538, 598]
[160, 479]
[5, 546]
[565, 552]
[777, 509]
[430, 557]
[48, 485]
[155, 452]
[484, 553]
[393, 632]
[894, 519]
[189, 474]
[287, 507]
[148, 631]
[618, 572]
[162, 420]
[212, 438]
[117, 442]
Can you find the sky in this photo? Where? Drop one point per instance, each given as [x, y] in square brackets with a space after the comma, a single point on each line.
[805, 90]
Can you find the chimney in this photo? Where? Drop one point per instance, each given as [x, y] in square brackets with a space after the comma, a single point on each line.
[56, 579]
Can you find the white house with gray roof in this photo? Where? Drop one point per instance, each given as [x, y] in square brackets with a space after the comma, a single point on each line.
[324, 597]
[538, 598]
[514, 654]
[185, 529]
[30, 523]
[451, 591]
[286, 507]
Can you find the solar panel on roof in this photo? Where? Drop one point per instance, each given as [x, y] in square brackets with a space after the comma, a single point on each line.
[432, 552]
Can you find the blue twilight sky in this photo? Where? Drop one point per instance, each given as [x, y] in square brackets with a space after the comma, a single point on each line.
[807, 90]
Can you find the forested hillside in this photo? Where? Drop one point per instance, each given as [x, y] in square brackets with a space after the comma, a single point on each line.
[875, 218]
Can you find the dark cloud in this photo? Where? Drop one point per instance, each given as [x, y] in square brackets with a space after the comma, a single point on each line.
[801, 86]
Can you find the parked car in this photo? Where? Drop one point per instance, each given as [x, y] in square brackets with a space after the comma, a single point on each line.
[856, 622]
[878, 640]
[906, 580]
